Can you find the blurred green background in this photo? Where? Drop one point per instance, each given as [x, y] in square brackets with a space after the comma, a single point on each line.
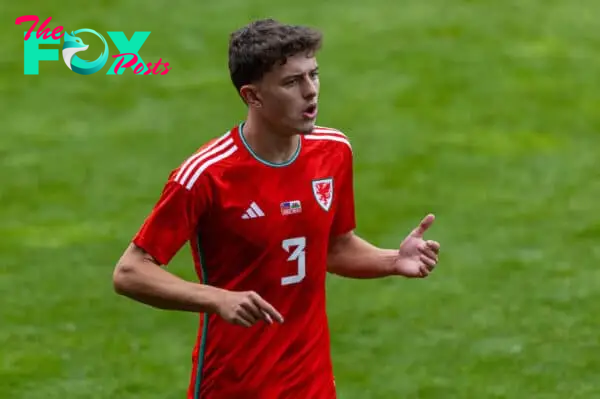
[483, 112]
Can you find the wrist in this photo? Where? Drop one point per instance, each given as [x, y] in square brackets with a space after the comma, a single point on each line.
[389, 259]
[209, 298]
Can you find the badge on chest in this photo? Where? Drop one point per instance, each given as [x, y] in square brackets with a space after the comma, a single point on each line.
[323, 192]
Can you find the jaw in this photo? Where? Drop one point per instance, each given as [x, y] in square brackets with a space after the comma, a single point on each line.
[284, 120]
[307, 127]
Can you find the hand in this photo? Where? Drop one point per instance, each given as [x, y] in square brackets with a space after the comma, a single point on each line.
[417, 257]
[246, 309]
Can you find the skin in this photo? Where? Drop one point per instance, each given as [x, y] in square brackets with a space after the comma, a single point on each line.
[276, 106]
[276, 117]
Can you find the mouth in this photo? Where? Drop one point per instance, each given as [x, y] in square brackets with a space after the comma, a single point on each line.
[310, 112]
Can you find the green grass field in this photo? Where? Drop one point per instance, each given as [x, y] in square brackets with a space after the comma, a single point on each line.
[483, 112]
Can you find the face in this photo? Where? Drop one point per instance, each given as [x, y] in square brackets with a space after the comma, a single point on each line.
[287, 95]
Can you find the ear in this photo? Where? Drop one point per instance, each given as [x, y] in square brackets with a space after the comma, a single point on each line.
[251, 96]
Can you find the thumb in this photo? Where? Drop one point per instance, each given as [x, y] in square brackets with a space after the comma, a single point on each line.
[423, 226]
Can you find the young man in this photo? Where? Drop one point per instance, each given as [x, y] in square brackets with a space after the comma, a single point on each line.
[268, 209]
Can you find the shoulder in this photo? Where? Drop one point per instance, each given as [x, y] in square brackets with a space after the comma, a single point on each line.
[212, 157]
[330, 139]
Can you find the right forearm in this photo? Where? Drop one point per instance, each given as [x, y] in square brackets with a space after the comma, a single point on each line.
[154, 286]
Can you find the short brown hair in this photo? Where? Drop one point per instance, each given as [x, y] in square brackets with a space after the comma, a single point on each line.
[255, 48]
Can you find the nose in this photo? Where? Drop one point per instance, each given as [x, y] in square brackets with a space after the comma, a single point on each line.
[310, 88]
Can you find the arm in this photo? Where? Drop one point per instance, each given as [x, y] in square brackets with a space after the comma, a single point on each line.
[139, 276]
[353, 257]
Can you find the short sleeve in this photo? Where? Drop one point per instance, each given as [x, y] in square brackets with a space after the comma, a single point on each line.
[344, 219]
[174, 218]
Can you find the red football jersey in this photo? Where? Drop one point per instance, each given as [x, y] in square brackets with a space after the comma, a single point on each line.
[253, 225]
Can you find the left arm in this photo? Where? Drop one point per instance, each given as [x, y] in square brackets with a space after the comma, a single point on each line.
[351, 256]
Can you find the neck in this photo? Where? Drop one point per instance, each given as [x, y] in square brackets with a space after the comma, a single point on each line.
[268, 143]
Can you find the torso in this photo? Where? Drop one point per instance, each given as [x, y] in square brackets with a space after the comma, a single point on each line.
[268, 231]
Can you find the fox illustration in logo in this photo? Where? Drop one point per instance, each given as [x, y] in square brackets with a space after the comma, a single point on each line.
[73, 45]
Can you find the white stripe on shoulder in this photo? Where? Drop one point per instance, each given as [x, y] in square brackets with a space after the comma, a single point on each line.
[211, 161]
[198, 163]
[200, 159]
[329, 137]
[192, 159]
[328, 130]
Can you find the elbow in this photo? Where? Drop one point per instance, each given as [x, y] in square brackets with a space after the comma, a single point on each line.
[337, 268]
[129, 273]
[335, 263]
[122, 278]
[336, 254]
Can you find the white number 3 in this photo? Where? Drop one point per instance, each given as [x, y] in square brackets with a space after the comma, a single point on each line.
[297, 256]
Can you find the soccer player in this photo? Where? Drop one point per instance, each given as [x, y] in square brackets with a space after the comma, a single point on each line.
[268, 210]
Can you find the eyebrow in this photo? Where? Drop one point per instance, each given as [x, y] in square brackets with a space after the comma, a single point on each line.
[316, 69]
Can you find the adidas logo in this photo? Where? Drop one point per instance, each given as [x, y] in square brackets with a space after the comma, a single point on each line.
[253, 211]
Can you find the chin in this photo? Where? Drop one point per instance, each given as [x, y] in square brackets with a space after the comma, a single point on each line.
[306, 127]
